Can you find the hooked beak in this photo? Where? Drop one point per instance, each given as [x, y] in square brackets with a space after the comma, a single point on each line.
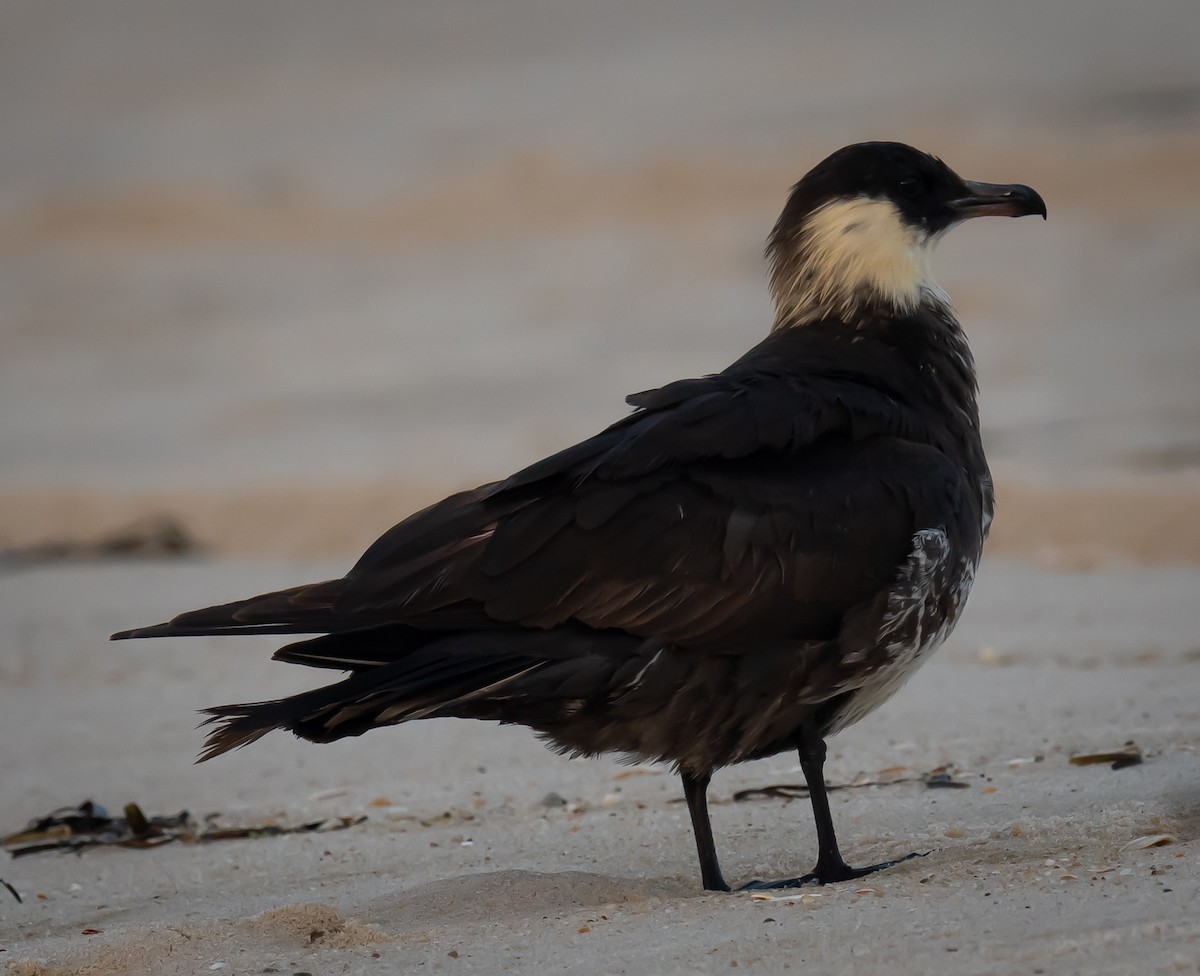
[998, 200]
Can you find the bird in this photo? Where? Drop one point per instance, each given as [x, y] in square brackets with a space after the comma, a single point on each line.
[745, 564]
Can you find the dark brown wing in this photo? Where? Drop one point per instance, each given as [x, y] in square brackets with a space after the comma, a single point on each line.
[699, 553]
[761, 501]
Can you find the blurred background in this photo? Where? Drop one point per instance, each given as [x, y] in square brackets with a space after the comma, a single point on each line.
[286, 270]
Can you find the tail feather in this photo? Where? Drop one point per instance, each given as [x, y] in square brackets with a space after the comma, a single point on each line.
[400, 674]
[422, 686]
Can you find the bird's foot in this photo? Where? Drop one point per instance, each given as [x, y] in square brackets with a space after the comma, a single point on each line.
[830, 873]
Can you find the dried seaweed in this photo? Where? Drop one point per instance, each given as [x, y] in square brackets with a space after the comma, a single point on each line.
[89, 825]
[1128, 755]
[943, 779]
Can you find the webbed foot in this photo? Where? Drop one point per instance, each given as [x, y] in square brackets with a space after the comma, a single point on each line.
[828, 874]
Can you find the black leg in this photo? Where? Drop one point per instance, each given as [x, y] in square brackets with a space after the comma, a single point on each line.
[695, 790]
[830, 865]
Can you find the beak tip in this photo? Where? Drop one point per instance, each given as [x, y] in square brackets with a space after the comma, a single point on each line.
[1036, 204]
[1027, 201]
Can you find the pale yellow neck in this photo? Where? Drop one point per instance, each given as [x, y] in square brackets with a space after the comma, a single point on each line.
[848, 252]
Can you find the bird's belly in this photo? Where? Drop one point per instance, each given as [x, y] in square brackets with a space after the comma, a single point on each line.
[884, 682]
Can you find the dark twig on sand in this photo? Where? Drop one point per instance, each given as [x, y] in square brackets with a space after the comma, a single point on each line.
[89, 825]
[940, 778]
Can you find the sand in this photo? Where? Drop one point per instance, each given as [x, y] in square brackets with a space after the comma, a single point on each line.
[462, 866]
[286, 272]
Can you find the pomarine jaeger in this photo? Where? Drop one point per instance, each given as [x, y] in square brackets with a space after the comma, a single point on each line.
[745, 564]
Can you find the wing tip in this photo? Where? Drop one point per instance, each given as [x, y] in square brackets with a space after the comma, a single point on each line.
[158, 630]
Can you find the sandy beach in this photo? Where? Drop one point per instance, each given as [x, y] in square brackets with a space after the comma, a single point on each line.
[283, 274]
[465, 864]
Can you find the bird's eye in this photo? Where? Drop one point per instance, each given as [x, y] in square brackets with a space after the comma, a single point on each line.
[910, 188]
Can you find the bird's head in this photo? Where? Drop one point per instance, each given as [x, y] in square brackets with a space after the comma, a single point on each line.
[858, 228]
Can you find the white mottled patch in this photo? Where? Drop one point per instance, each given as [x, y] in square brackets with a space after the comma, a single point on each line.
[913, 625]
[848, 249]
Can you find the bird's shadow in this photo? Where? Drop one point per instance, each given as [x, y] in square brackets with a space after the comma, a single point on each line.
[496, 895]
